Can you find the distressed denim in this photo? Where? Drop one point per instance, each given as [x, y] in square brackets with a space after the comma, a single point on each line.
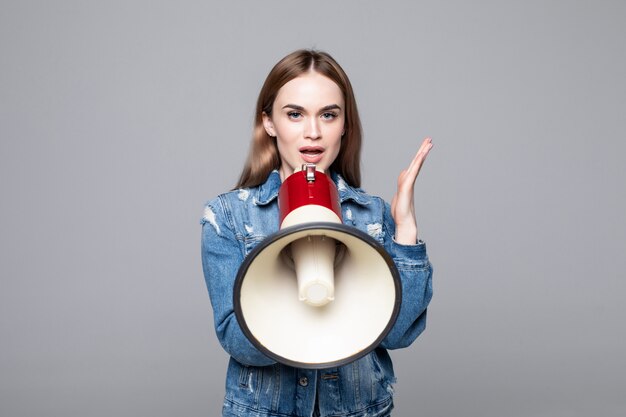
[232, 225]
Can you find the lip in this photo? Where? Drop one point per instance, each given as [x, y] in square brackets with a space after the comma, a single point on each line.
[311, 158]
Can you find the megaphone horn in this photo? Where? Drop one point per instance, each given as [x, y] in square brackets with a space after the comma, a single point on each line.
[317, 293]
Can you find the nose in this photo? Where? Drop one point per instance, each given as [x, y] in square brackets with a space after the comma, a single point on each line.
[312, 129]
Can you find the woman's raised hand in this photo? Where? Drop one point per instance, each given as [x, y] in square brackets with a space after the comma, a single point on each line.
[402, 207]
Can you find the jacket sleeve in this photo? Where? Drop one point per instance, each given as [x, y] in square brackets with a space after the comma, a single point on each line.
[416, 277]
[221, 257]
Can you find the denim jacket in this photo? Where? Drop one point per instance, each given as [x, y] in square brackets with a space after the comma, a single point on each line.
[232, 225]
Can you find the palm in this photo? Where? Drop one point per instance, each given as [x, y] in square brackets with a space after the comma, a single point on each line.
[402, 206]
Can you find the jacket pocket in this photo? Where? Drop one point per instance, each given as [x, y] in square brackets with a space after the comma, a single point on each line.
[245, 377]
[257, 388]
[381, 378]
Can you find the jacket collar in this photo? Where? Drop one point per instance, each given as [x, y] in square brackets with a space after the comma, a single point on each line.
[268, 191]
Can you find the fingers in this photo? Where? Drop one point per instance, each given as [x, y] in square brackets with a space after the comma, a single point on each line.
[418, 160]
[419, 157]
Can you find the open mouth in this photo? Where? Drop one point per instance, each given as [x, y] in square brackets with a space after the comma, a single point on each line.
[311, 154]
[311, 150]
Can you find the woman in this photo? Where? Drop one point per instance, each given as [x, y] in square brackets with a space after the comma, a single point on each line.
[306, 113]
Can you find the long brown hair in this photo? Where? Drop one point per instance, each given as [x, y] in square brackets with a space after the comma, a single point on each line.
[263, 156]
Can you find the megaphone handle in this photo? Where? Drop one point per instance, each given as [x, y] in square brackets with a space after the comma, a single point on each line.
[310, 171]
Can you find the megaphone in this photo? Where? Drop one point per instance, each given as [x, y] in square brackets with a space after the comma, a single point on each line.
[318, 293]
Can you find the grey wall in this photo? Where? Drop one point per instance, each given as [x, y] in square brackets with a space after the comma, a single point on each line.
[119, 119]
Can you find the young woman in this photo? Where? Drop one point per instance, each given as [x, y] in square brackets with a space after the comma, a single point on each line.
[306, 113]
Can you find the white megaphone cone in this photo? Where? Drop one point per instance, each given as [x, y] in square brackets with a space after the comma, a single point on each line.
[317, 293]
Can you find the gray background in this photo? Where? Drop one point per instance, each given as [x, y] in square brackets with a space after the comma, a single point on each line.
[119, 119]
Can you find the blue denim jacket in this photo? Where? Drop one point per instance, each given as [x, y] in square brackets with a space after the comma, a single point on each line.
[233, 224]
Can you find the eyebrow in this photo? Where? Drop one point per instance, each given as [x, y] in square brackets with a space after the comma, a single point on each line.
[325, 108]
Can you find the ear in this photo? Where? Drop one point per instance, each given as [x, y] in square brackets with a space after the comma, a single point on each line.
[268, 125]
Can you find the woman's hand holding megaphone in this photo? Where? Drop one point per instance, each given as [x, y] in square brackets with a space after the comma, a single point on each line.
[402, 206]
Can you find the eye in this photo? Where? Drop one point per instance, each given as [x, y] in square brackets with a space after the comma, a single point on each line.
[328, 115]
[295, 115]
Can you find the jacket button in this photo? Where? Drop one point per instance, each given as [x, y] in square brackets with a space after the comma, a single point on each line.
[304, 381]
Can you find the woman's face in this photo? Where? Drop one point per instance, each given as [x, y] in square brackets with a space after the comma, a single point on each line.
[308, 118]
